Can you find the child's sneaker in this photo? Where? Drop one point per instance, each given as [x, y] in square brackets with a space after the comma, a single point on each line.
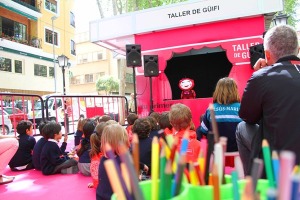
[70, 170]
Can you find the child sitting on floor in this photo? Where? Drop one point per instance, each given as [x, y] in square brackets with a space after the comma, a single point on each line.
[85, 147]
[52, 159]
[36, 154]
[164, 123]
[130, 120]
[79, 132]
[22, 160]
[181, 118]
[113, 134]
[96, 153]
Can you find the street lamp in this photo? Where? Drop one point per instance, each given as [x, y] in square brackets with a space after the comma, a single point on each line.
[63, 61]
[53, 47]
[281, 19]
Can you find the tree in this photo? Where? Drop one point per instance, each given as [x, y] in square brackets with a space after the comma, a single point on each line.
[107, 84]
[290, 7]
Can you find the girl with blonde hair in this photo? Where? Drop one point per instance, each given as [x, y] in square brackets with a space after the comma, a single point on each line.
[114, 135]
[226, 103]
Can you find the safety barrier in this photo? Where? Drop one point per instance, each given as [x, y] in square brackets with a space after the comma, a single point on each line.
[14, 107]
[65, 109]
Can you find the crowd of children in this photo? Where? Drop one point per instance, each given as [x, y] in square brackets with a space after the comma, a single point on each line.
[90, 144]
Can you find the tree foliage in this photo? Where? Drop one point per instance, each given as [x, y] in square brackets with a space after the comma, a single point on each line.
[116, 7]
[290, 7]
[107, 84]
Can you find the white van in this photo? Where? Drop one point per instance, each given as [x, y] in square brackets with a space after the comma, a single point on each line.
[5, 123]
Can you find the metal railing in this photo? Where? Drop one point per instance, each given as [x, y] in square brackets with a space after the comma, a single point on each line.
[10, 34]
[29, 4]
[64, 109]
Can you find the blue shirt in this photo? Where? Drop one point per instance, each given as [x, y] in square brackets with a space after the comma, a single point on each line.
[227, 117]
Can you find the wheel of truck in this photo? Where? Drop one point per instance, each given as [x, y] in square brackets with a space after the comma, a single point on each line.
[6, 130]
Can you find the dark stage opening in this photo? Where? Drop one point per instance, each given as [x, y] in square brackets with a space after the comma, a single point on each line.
[205, 66]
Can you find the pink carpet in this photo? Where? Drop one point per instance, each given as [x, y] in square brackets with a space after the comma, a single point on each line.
[34, 185]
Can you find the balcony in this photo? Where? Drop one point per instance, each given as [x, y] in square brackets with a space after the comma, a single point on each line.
[31, 41]
[33, 5]
[26, 8]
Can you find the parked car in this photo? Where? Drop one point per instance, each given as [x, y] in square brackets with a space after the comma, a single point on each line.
[5, 123]
[16, 115]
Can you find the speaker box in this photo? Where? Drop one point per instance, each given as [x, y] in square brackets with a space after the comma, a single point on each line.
[133, 55]
[256, 52]
[151, 65]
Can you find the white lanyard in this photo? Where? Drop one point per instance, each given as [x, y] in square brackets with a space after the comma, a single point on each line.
[297, 68]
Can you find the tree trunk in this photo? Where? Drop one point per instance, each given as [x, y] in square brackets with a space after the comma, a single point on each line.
[100, 9]
[122, 67]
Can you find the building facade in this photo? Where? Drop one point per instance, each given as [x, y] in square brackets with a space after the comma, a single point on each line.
[33, 34]
[94, 62]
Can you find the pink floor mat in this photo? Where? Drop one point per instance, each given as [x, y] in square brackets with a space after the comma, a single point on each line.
[34, 185]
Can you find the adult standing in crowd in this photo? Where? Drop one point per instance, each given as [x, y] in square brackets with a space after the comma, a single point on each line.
[131, 103]
[272, 99]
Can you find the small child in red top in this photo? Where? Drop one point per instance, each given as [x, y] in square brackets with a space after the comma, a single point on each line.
[181, 118]
[96, 153]
[130, 120]
[164, 123]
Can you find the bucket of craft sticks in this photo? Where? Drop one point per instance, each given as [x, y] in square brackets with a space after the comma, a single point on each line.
[146, 189]
[226, 191]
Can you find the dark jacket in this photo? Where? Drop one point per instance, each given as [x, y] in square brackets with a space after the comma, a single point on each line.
[272, 98]
[37, 150]
[51, 156]
[104, 190]
[23, 156]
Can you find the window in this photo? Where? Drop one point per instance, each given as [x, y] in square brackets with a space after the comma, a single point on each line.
[51, 5]
[129, 78]
[102, 73]
[48, 36]
[84, 58]
[75, 80]
[40, 70]
[97, 56]
[51, 72]
[18, 66]
[5, 64]
[72, 19]
[13, 29]
[88, 78]
[73, 50]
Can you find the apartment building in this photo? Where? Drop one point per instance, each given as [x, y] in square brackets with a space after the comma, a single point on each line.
[32, 34]
[93, 62]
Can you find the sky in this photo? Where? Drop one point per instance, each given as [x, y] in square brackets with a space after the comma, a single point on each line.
[85, 11]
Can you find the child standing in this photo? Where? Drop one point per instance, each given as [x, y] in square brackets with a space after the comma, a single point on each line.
[22, 160]
[113, 134]
[52, 159]
[85, 146]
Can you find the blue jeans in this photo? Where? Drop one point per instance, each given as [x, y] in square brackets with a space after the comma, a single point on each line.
[246, 138]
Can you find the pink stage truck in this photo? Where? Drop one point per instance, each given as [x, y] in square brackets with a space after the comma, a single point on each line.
[201, 40]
